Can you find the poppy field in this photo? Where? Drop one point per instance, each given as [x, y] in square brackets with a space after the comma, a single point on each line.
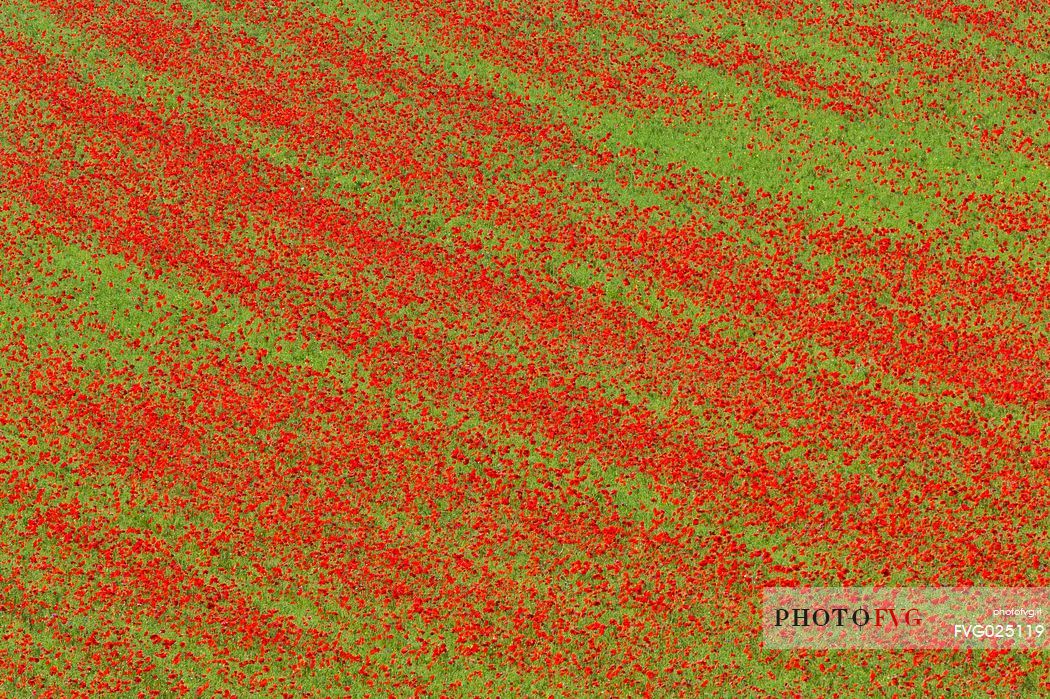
[511, 348]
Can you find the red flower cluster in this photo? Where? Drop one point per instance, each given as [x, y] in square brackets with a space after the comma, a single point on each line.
[486, 349]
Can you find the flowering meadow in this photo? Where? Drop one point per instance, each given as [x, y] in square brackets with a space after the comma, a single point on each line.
[511, 348]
